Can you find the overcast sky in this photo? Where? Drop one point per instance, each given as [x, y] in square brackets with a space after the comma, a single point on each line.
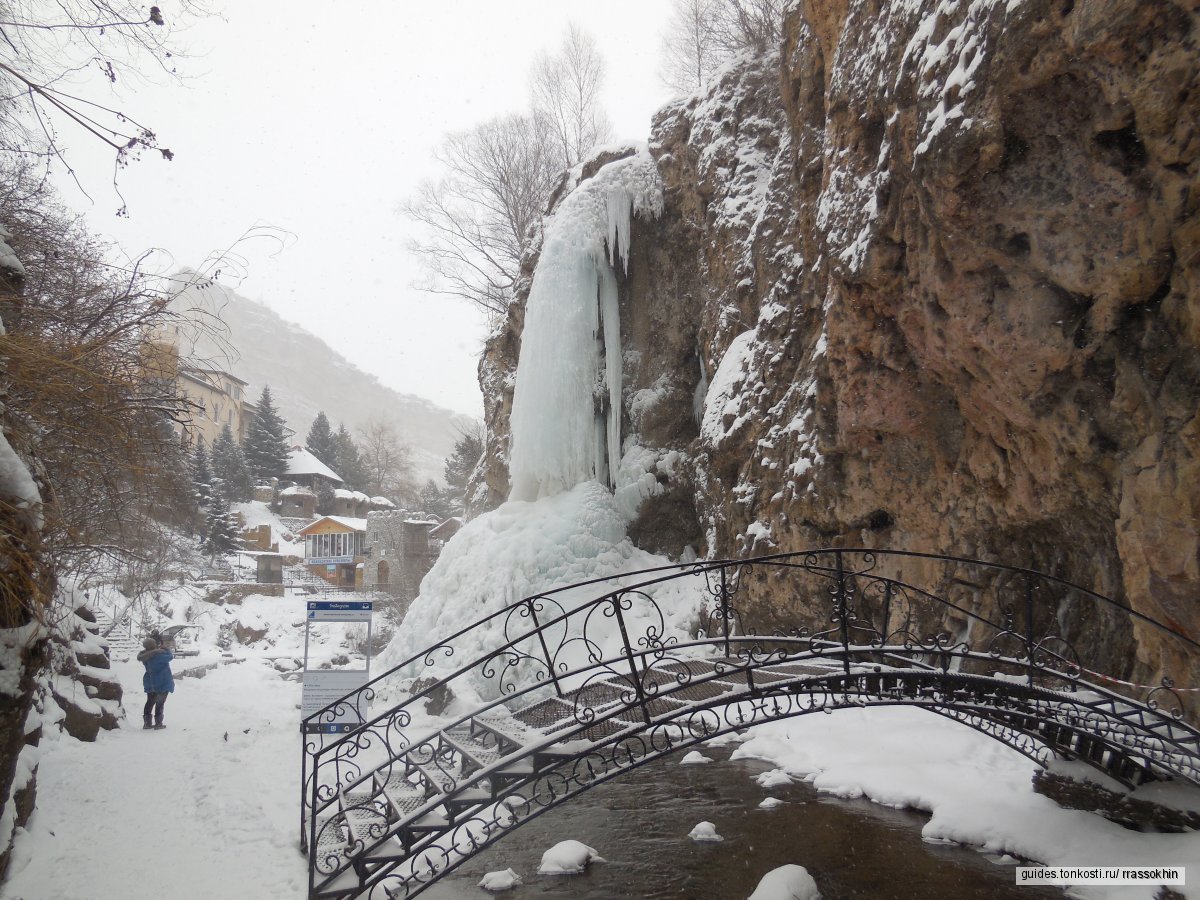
[319, 119]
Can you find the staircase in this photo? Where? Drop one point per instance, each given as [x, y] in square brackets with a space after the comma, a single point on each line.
[121, 643]
[393, 802]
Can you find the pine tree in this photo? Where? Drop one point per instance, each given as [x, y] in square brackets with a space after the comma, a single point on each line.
[325, 498]
[320, 441]
[220, 524]
[201, 475]
[266, 446]
[460, 465]
[436, 500]
[347, 461]
[230, 469]
[201, 471]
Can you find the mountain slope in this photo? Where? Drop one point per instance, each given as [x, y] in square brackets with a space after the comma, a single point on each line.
[307, 376]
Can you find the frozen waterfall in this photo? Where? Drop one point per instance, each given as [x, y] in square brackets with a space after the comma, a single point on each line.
[566, 414]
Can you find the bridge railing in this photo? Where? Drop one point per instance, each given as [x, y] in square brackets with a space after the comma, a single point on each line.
[883, 609]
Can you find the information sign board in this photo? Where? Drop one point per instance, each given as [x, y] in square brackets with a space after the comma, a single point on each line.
[325, 686]
[340, 610]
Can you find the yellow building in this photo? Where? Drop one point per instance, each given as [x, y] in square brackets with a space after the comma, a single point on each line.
[216, 399]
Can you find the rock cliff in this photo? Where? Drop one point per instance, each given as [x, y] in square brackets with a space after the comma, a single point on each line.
[927, 278]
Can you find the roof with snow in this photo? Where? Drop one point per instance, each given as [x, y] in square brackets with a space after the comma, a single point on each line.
[358, 496]
[301, 462]
[382, 501]
[344, 521]
[296, 490]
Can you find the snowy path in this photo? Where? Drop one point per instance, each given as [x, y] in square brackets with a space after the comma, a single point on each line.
[178, 814]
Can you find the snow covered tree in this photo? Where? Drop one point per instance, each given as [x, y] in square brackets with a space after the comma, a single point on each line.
[265, 445]
[230, 469]
[566, 96]
[347, 461]
[320, 442]
[220, 524]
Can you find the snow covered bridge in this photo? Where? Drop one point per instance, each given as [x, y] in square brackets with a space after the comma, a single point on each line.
[530, 707]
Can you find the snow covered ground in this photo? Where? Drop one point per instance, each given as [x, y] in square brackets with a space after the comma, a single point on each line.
[978, 791]
[206, 808]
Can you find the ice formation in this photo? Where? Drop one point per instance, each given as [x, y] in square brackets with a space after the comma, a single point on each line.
[562, 524]
[566, 415]
[525, 548]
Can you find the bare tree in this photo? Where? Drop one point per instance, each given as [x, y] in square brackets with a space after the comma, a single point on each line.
[704, 34]
[54, 48]
[387, 461]
[483, 214]
[90, 392]
[566, 96]
[689, 47]
[749, 25]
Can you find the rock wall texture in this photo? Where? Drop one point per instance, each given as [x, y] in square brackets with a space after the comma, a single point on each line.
[928, 278]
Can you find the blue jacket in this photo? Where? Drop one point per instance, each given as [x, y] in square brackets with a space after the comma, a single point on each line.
[157, 679]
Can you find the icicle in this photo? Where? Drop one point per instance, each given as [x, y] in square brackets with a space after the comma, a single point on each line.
[610, 317]
[559, 438]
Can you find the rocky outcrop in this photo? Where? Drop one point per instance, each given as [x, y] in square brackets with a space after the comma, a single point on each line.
[928, 279]
[81, 682]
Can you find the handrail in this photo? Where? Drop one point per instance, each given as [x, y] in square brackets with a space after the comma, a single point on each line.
[682, 569]
[541, 650]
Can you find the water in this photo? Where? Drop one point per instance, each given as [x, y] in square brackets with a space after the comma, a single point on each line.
[639, 824]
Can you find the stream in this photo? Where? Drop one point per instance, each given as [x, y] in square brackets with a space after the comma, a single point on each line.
[639, 823]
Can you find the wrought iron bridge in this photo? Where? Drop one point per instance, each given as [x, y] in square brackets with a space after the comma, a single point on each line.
[582, 684]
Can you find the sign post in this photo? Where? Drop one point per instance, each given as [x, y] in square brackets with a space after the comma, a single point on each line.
[324, 686]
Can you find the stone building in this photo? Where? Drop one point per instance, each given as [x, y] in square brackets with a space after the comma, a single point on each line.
[399, 551]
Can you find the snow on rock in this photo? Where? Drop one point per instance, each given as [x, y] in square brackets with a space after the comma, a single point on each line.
[17, 483]
[774, 778]
[524, 548]
[504, 880]
[558, 440]
[695, 758]
[770, 803]
[722, 401]
[787, 883]
[8, 258]
[705, 832]
[255, 513]
[568, 858]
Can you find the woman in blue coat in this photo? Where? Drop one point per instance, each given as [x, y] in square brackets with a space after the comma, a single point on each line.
[157, 681]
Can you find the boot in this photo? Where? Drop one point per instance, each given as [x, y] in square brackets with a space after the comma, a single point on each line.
[158, 726]
[146, 723]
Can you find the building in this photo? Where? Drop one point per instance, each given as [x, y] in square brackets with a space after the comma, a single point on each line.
[399, 552]
[306, 470]
[215, 399]
[334, 549]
